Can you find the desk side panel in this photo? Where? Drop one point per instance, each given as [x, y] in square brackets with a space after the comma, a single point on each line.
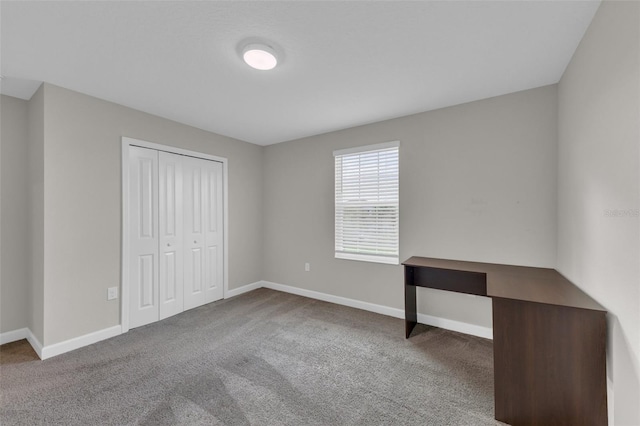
[410, 302]
[549, 364]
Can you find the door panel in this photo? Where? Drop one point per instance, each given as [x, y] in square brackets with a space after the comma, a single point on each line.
[171, 235]
[143, 219]
[146, 193]
[194, 193]
[196, 198]
[203, 235]
[196, 262]
[146, 281]
[169, 275]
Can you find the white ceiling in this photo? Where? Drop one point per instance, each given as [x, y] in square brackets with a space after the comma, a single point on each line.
[345, 63]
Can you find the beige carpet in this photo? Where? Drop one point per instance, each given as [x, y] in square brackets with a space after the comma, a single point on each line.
[17, 352]
[263, 358]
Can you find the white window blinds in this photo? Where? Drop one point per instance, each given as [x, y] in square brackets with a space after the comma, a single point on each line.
[367, 206]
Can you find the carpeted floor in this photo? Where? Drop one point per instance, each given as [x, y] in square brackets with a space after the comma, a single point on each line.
[262, 358]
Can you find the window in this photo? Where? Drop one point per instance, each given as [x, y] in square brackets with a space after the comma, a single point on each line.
[367, 208]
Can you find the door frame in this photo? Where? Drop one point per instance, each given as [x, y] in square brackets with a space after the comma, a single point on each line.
[124, 272]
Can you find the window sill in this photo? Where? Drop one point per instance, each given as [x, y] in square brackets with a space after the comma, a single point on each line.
[389, 260]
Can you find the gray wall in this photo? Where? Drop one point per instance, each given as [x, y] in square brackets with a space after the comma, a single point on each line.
[14, 266]
[477, 182]
[82, 205]
[599, 186]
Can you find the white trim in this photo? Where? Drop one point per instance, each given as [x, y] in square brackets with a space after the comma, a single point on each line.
[367, 148]
[107, 333]
[124, 243]
[35, 343]
[244, 289]
[225, 227]
[171, 149]
[14, 335]
[339, 300]
[389, 260]
[453, 325]
[79, 342]
[124, 278]
[610, 401]
[447, 324]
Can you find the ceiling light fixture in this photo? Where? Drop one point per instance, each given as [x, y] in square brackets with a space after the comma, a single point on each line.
[259, 56]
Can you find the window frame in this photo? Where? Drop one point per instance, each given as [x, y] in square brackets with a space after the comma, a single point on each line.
[339, 252]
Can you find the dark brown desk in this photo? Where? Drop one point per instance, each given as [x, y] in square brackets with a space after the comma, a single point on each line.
[549, 338]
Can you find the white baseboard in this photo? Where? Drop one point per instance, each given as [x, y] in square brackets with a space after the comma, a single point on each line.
[459, 326]
[244, 289]
[610, 401]
[366, 306]
[49, 351]
[79, 342]
[14, 335]
[35, 343]
[447, 324]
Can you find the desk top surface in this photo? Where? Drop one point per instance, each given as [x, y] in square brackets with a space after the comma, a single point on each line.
[526, 283]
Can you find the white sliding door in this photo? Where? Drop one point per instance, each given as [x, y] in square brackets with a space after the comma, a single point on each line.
[143, 222]
[171, 235]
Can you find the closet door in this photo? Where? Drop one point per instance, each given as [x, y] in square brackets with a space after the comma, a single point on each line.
[213, 235]
[203, 262]
[143, 222]
[171, 236]
[194, 174]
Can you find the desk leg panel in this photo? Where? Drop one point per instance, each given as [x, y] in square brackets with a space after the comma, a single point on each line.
[549, 364]
[410, 303]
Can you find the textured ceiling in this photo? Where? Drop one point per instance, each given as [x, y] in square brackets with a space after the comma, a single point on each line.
[345, 63]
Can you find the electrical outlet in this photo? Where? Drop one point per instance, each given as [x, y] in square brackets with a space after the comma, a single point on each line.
[112, 293]
[307, 267]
